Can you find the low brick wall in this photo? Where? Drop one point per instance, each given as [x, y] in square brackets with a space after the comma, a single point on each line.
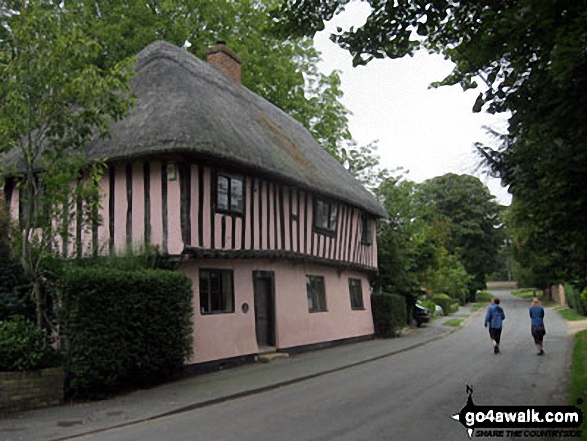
[30, 390]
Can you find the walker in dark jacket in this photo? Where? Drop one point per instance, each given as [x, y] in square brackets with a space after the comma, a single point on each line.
[494, 318]
[537, 324]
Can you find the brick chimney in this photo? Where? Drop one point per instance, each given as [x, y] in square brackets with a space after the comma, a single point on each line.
[225, 60]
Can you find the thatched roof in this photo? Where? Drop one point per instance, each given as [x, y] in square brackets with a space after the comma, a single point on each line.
[184, 105]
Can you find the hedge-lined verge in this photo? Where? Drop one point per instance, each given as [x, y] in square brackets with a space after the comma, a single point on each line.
[389, 314]
[124, 328]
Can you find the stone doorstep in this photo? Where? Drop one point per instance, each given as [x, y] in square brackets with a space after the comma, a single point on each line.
[268, 357]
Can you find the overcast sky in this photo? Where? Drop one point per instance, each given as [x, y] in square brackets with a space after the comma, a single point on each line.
[429, 132]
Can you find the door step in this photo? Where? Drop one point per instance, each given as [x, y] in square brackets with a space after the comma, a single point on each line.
[268, 357]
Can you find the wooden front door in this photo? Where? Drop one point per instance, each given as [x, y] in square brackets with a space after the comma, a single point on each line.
[264, 307]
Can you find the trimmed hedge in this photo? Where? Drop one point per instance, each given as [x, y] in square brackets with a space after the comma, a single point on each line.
[389, 314]
[124, 328]
[483, 296]
[444, 301]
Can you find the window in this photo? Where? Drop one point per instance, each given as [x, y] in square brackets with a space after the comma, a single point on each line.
[229, 194]
[316, 293]
[356, 292]
[366, 230]
[325, 216]
[216, 291]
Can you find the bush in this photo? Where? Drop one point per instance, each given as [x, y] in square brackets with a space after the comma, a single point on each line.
[576, 299]
[124, 328]
[389, 314]
[23, 348]
[444, 301]
[483, 296]
[430, 305]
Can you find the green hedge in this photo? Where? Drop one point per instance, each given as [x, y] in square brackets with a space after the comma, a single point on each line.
[444, 301]
[124, 328]
[389, 314]
[22, 347]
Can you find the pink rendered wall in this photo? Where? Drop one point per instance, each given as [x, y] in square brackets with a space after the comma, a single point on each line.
[297, 326]
[174, 240]
[219, 336]
[120, 205]
[156, 204]
[138, 205]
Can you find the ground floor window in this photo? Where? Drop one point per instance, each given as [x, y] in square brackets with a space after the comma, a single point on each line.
[216, 291]
[356, 291]
[316, 293]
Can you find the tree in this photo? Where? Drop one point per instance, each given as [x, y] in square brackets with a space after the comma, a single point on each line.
[473, 219]
[284, 71]
[53, 99]
[531, 57]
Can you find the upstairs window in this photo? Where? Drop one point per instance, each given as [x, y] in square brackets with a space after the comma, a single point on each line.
[216, 291]
[366, 230]
[229, 194]
[316, 293]
[325, 216]
[356, 292]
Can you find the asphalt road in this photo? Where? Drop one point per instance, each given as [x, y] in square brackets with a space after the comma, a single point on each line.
[408, 396]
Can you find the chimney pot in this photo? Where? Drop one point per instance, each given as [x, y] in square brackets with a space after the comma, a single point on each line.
[225, 60]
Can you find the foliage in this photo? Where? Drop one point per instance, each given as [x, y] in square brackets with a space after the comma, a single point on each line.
[124, 327]
[15, 296]
[55, 101]
[444, 301]
[454, 322]
[483, 296]
[22, 346]
[389, 314]
[429, 305]
[569, 314]
[576, 298]
[578, 380]
[449, 277]
[472, 216]
[284, 71]
[531, 57]
[406, 244]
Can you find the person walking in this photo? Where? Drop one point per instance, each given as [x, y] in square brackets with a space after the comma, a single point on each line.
[537, 325]
[494, 318]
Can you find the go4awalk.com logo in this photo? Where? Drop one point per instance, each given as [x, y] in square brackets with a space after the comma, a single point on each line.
[520, 421]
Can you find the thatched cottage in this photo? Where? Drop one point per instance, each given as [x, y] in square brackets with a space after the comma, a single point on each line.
[278, 238]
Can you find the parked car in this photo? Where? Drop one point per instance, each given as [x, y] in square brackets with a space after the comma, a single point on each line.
[421, 314]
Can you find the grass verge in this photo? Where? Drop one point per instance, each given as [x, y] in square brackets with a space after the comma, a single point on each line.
[578, 382]
[527, 293]
[453, 322]
[569, 314]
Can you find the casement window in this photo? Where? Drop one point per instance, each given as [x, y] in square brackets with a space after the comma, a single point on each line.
[356, 292]
[216, 291]
[325, 216]
[316, 293]
[366, 230]
[229, 194]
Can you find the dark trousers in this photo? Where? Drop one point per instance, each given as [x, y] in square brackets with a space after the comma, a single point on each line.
[495, 334]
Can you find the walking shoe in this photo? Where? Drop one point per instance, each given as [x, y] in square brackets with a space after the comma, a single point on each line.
[496, 349]
[541, 352]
